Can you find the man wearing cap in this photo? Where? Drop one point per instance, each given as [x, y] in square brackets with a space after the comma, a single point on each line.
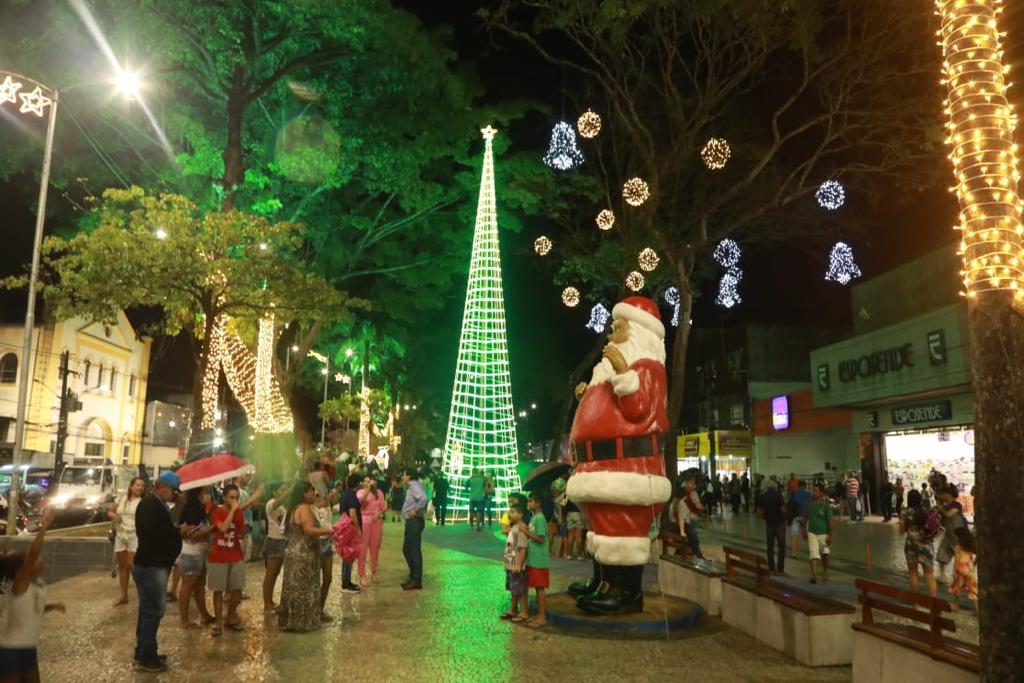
[159, 545]
[620, 472]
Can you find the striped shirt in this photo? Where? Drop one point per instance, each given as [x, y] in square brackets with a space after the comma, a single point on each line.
[852, 487]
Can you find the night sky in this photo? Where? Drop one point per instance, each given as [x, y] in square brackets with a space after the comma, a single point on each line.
[783, 284]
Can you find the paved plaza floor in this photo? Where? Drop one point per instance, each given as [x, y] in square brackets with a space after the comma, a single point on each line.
[450, 631]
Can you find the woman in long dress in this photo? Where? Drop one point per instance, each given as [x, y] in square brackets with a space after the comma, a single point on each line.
[300, 591]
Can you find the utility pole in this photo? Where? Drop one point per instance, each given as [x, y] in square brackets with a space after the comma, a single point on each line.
[69, 403]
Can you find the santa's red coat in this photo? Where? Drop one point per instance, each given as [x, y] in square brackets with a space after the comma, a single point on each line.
[622, 496]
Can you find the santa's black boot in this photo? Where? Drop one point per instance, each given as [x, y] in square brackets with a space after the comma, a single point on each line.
[578, 588]
[624, 596]
[609, 576]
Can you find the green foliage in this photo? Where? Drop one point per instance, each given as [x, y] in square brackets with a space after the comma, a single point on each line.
[163, 251]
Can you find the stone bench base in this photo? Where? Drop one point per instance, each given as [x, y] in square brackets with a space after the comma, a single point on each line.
[877, 660]
[684, 582]
[811, 639]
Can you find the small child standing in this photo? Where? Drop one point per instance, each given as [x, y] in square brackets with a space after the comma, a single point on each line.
[965, 576]
[537, 560]
[25, 603]
[515, 571]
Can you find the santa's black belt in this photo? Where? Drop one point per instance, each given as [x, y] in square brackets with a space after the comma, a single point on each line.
[623, 447]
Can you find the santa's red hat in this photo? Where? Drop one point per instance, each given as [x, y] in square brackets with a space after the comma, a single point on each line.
[642, 311]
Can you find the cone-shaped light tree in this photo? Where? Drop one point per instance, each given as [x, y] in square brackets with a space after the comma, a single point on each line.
[481, 425]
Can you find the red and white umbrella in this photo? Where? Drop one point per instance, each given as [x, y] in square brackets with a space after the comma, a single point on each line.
[216, 468]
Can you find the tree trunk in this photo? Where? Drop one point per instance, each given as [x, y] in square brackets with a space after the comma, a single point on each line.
[997, 358]
[234, 166]
[677, 376]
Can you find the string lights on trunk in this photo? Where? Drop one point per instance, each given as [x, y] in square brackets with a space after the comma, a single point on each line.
[980, 131]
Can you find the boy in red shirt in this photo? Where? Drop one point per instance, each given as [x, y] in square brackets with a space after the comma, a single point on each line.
[226, 565]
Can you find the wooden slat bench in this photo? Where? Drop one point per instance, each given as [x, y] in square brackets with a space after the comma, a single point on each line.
[886, 651]
[811, 628]
[688, 577]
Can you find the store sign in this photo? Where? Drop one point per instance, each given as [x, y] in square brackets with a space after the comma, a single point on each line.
[823, 379]
[780, 413]
[936, 347]
[734, 443]
[877, 363]
[872, 419]
[691, 446]
[925, 412]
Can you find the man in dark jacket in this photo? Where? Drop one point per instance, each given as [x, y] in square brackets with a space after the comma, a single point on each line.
[771, 508]
[159, 545]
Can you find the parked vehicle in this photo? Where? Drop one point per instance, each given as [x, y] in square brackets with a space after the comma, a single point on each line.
[91, 488]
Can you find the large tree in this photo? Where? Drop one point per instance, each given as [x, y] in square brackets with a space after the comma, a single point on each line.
[803, 91]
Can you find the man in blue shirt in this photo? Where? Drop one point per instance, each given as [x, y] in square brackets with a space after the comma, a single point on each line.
[413, 510]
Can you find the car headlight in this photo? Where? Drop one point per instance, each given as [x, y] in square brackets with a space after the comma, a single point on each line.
[60, 500]
[94, 500]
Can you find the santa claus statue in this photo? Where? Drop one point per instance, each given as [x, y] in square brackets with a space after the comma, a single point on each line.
[619, 435]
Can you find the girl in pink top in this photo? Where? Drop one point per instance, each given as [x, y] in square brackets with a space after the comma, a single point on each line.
[372, 506]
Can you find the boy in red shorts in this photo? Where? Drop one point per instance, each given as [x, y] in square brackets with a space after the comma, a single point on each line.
[537, 560]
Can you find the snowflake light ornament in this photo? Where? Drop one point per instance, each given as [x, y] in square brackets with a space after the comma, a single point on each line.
[588, 124]
[635, 191]
[605, 219]
[571, 297]
[542, 245]
[635, 281]
[648, 259]
[716, 153]
[727, 253]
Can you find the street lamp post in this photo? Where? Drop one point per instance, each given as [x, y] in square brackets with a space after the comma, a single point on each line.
[35, 102]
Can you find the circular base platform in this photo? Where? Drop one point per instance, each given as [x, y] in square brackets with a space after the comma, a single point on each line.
[660, 612]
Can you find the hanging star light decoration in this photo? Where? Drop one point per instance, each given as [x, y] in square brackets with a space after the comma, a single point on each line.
[648, 259]
[841, 266]
[571, 297]
[672, 299]
[542, 245]
[563, 154]
[727, 253]
[728, 289]
[605, 219]
[830, 195]
[635, 191]
[716, 153]
[9, 90]
[599, 317]
[635, 281]
[34, 102]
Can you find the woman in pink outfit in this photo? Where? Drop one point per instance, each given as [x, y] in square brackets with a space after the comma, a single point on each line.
[372, 506]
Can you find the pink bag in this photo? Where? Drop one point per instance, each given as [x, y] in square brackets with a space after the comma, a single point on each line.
[346, 539]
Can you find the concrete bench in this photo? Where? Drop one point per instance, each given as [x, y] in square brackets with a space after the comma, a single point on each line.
[900, 652]
[813, 629]
[693, 579]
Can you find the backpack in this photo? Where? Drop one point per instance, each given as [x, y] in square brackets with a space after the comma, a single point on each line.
[932, 523]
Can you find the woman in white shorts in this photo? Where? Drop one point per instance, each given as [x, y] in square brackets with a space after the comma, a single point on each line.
[125, 540]
[195, 544]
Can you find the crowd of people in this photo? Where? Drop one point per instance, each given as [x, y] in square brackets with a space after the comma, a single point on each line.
[938, 542]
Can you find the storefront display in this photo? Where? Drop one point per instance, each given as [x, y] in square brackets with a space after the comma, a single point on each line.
[913, 455]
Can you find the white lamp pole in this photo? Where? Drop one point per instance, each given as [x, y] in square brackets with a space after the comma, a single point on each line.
[33, 102]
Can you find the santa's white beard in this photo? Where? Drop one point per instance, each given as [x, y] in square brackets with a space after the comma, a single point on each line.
[642, 343]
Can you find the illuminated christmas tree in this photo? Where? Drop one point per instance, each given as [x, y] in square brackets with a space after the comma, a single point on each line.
[481, 425]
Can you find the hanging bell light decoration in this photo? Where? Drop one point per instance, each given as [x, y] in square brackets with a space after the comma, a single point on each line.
[563, 154]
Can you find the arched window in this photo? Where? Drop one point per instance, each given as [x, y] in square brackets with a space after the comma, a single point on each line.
[86, 369]
[8, 369]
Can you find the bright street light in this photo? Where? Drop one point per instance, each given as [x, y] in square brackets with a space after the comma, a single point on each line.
[160, 234]
[349, 353]
[295, 348]
[533, 406]
[128, 83]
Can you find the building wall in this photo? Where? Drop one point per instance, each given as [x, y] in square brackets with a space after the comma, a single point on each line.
[922, 285]
[806, 453]
[111, 420]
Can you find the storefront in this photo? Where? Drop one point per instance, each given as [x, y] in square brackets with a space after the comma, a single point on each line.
[722, 451]
[909, 386]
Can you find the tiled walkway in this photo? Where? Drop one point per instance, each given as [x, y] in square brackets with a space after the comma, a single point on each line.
[447, 632]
